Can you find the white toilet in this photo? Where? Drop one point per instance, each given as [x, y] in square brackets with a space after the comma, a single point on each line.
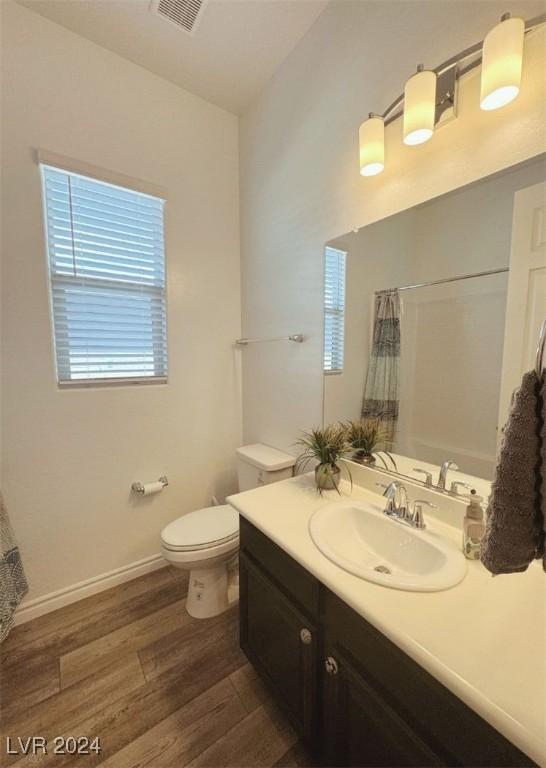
[206, 541]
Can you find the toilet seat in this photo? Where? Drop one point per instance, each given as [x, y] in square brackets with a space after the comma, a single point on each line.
[210, 527]
[204, 557]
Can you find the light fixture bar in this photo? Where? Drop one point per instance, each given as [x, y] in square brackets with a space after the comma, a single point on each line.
[395, 110]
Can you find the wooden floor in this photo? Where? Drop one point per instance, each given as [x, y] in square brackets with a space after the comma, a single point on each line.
[158, 688]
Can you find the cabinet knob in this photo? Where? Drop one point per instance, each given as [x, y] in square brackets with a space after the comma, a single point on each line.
[306, 637]
[330, 665]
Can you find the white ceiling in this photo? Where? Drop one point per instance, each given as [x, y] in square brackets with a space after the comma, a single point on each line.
[236, 48]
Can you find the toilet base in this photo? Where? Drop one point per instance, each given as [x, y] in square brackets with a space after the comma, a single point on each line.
[208, 593]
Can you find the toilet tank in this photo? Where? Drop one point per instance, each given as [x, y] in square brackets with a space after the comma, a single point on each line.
[260, 464]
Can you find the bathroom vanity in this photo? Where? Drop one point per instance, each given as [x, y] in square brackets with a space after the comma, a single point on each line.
[373, 676]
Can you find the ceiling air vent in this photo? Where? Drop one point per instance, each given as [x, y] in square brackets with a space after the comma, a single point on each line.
[186, 14]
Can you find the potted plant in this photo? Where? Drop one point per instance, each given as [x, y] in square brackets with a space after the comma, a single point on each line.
[368, 441]
[327, 446]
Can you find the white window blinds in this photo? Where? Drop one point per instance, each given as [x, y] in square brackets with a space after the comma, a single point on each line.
[107, 269]
[334, 310]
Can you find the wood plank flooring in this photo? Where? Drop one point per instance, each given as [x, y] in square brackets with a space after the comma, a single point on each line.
[157, 687]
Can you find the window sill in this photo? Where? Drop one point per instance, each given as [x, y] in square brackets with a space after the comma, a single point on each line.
[117, 382]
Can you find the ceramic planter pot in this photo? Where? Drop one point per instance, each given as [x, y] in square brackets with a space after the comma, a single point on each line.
[327, 476]
[364, 458]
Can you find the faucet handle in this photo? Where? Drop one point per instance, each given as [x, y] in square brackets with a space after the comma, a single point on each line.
[417, 518]
[388, 490]
[428, 475]
[389, 493]
[424, 501]
[456, 484]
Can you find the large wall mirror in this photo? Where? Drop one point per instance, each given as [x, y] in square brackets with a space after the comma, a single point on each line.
[431, 317]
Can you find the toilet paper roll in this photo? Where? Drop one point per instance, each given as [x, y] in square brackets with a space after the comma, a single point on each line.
[151, 488]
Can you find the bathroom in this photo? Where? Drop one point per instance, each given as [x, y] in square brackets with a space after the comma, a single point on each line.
[244, 134]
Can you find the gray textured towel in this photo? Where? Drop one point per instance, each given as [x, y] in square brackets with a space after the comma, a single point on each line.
[13, 584]
[514, 532]
[542, 540]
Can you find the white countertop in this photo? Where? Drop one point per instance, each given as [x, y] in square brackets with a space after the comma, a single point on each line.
[484, 639]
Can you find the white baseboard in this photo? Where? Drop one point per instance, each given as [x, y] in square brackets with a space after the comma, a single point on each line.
[31, 609]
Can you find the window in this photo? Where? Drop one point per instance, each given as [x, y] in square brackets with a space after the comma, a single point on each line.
[107, 271]
[334, 310]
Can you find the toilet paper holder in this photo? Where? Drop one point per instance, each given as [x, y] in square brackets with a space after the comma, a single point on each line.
[139, 487]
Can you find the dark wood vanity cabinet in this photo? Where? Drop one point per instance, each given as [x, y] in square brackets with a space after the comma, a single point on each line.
[354, 696]
[279, 630]
[359, 728]
[282, 644]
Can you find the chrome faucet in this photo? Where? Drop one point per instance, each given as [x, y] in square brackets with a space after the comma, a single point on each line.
[417, 518]
[447, 465]
[428, 476]
[456, 484]
[397, 499]
[399, 508]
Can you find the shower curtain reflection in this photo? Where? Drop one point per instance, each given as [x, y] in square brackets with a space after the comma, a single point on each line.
[381, 392]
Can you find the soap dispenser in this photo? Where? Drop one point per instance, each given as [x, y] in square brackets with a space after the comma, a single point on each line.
[473, 527]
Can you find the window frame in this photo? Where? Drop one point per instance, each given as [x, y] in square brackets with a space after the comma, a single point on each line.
[127, 184]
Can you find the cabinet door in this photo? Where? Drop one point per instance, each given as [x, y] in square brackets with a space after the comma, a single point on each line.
[281, 643]
[359, 727]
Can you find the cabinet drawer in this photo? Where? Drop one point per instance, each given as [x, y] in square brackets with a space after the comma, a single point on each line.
[288, 575]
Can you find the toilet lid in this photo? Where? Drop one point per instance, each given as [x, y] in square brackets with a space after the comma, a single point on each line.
[202, 528]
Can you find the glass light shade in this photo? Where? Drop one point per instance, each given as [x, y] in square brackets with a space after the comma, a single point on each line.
[372, 146]
[419, 107]
[501, 64]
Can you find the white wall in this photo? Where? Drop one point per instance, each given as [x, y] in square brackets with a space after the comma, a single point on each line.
[69, 457]
[300, 185]
[470, 230]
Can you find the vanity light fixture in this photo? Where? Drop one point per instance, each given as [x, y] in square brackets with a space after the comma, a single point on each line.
[502, 59]
[372, 145]
[430, 96]
[419, 106]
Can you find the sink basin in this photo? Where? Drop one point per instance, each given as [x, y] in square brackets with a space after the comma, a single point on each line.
[358, 537]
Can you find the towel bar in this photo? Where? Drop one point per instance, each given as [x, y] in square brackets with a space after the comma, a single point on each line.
[293, 337]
